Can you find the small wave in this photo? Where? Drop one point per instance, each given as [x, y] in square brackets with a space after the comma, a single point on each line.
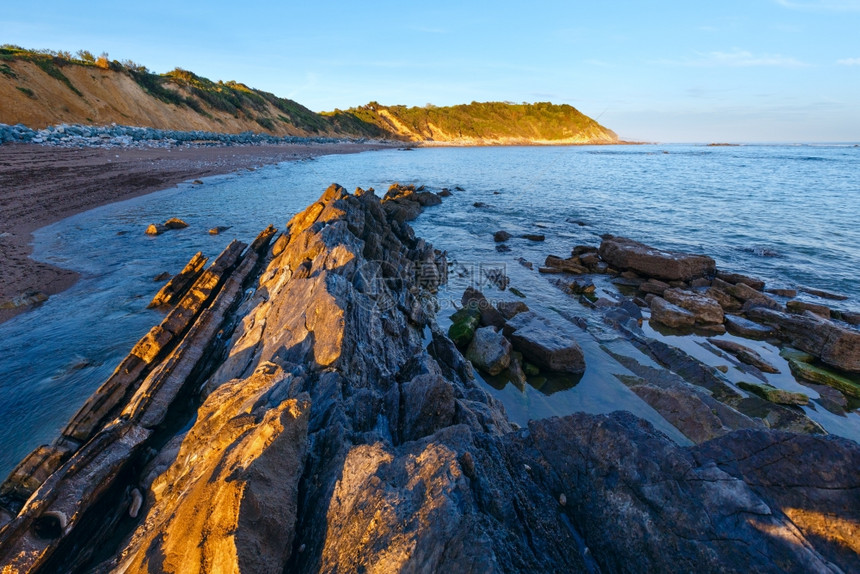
[761, 251]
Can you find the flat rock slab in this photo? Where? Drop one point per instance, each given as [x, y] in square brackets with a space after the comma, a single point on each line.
[774, 395]
[623, 253]
[824, 294]
[834, 344]
[548, 345]
[705, 309]
[744, 355]
[746, 328]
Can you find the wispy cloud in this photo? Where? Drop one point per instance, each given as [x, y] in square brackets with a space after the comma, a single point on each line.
[849, 62]
[738, 59]
[821, 5]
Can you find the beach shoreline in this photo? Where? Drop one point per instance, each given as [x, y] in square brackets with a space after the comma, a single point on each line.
[40, 185]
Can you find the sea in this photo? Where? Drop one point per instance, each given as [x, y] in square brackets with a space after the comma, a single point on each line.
[788, 214]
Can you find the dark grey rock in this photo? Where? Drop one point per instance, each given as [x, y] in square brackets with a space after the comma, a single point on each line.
[746, 328]
[489, 351]
[548, 345]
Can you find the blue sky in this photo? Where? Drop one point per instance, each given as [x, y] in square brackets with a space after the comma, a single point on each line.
[668, 71]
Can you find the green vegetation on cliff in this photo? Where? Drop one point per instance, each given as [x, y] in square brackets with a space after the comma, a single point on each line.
[489, 122]
[217, 104]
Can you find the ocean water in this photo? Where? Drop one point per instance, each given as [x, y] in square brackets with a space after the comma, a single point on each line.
[787, 214]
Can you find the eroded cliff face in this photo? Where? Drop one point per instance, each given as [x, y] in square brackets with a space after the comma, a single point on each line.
[36, 99]
[341, 430]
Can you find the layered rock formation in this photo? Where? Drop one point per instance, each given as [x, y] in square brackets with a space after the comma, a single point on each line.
[339, 429]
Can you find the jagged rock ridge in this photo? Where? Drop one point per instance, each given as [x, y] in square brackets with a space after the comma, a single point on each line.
[342, 431]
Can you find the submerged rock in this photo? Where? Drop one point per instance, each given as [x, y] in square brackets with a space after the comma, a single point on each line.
[774, 395]
[25, 299]
[782, 292]
[744, 354]
[824, 294]
[808, 372]
[500, 236]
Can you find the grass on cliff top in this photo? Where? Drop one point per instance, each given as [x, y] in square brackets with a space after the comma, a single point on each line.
[542, 120]
[50, 62]
[490, 120]
[234, 98]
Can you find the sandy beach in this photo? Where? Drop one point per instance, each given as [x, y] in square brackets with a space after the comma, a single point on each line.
[40, 185]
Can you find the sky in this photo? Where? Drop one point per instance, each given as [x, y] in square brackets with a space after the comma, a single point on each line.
[660, 71]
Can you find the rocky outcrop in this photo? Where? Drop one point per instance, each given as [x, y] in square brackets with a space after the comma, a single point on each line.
[337, 428]
[622, 253]
[229, 498]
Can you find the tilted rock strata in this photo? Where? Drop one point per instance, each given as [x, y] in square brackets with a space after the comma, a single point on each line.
[344, 432]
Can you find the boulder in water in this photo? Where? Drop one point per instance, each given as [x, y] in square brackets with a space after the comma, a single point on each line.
[175, 223]
[489, 351]
[623, 253]
[156, 229]
[547, 345]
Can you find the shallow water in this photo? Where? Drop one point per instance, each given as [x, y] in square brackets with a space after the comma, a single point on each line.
[787, 214]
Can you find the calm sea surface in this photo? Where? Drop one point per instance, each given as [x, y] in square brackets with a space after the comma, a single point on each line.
[787, 214]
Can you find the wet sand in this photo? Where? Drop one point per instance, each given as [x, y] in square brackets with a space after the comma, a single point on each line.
[41, 185]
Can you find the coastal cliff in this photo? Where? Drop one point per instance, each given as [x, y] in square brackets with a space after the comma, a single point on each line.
[299, 409]
[489, 123]
[41, 89]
